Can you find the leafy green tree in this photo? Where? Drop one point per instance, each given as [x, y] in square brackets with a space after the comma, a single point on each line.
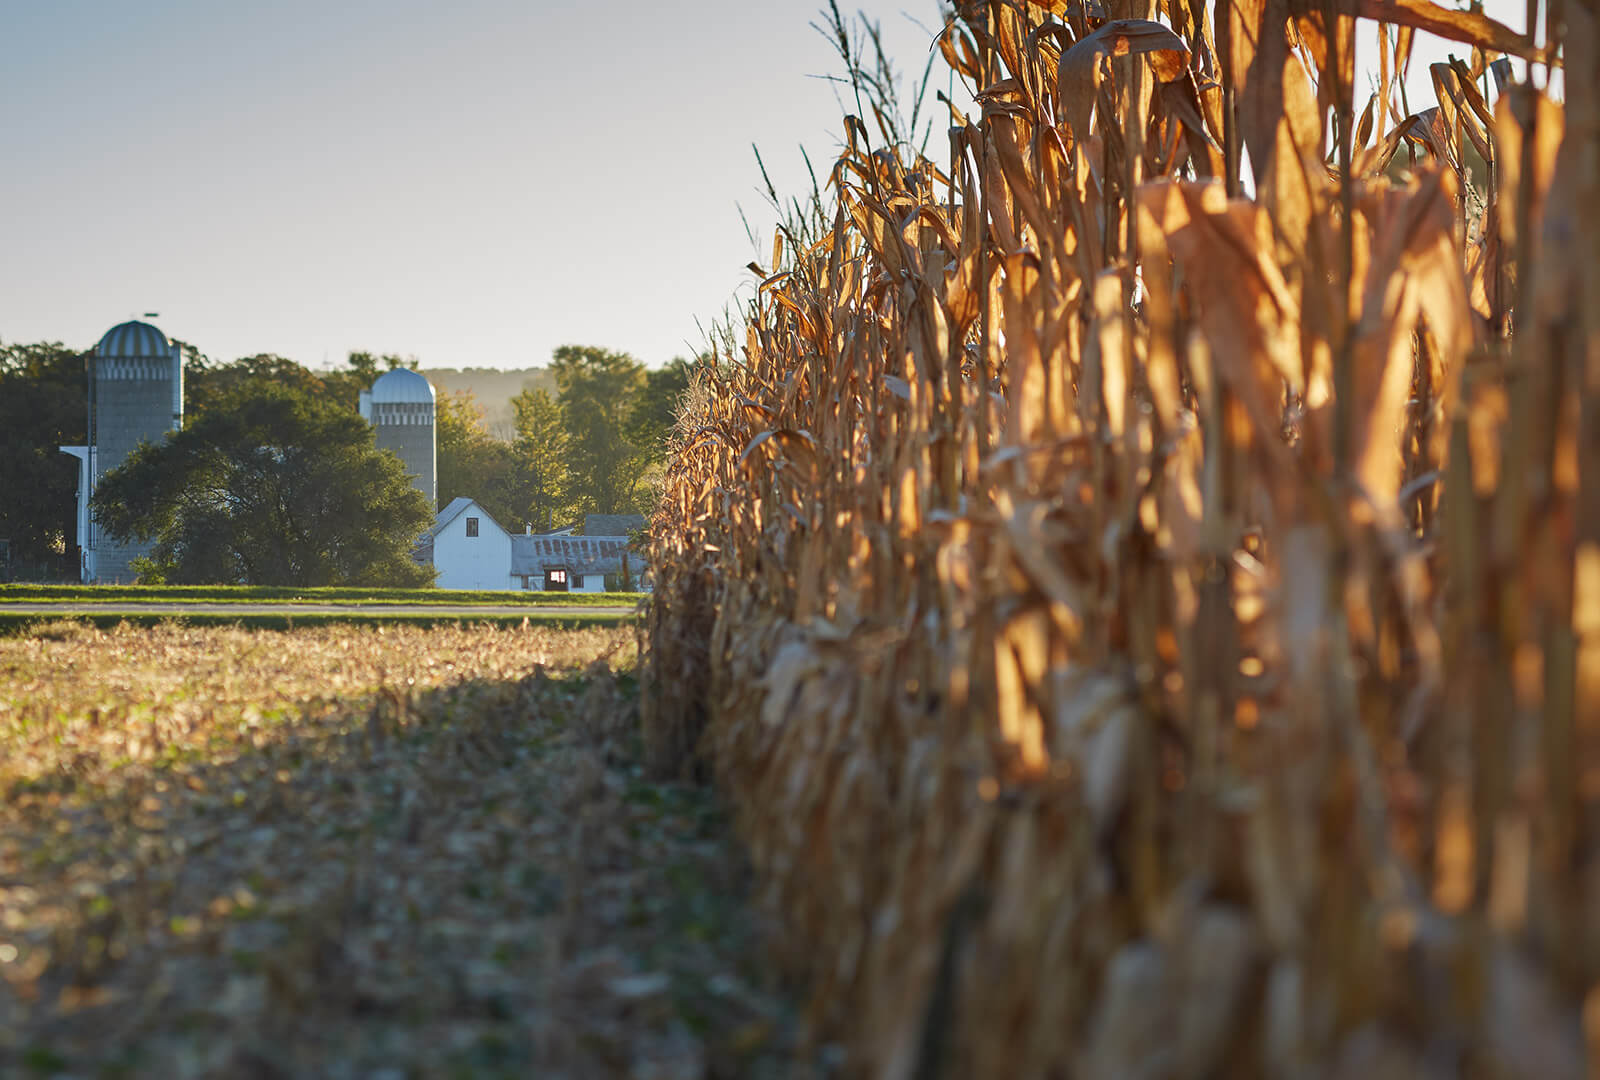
[541, 457]
[43, 406]
[598, 388]
[208, 385]
[281, 487]
[360, 370]
[474, 463]
[654, 413]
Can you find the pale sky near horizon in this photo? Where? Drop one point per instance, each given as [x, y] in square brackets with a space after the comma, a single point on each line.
[472, 183]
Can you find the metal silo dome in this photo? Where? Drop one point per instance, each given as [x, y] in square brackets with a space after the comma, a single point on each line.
[134, 340]
[402, 386]
[401, 408]
[135, 397]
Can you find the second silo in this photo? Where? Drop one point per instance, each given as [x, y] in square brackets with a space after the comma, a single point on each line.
[400, 407]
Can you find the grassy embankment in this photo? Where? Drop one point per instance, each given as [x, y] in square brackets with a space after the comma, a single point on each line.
[105, 606]
[355, 852]
[15, 623]
[224, 594]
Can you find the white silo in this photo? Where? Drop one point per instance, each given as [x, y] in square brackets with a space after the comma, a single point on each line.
[135, 395]
[400, 406]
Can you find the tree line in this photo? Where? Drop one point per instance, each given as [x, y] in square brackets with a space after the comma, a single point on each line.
[594, 447]
[275, 478]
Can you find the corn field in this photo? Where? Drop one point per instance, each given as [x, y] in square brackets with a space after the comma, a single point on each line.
[1138, 577]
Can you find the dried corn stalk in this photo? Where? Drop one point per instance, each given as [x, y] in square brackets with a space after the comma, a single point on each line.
[1147, 630]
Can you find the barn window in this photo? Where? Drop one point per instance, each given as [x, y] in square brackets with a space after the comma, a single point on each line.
[577, 581]
[472, 526]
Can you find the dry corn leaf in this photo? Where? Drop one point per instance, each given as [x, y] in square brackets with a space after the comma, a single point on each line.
[1083, 66]
[1467, 27]
[1415, 272]
[1240, 665]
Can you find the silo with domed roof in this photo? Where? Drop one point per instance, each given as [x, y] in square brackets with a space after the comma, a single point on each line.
[135, 396]
[401, 408]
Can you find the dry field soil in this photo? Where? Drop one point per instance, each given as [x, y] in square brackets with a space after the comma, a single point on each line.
[361, 853]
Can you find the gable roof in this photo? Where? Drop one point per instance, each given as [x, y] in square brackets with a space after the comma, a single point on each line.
[457, 507]
[450, 512]
[611, 524]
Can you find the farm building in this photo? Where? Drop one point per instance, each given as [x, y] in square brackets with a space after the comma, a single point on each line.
[612, 524]
[135, 395]
[567, 563]
[135, 384]
[471, 550]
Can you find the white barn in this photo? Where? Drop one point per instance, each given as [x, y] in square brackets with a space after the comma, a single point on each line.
[567, 563]
[470, 550]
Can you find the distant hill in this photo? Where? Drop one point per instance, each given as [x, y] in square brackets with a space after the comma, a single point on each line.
[494, 388]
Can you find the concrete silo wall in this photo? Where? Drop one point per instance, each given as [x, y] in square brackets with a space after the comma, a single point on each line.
[133, 403]
[407, 429]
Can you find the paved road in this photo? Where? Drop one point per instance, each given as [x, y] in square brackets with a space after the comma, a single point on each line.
[78, 607]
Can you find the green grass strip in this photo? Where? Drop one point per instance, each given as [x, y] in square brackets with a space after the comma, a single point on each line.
[224, 594]
[23, 625]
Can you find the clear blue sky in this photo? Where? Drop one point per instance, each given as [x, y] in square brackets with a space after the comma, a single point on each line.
[473, 182]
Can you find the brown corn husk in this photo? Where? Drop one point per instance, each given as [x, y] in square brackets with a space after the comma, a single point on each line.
[1146, 629]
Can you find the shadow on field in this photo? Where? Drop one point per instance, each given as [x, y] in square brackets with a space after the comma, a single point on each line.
[474, 880]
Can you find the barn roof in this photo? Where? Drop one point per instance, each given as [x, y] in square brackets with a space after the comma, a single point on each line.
[458, 506]
[612, 524]
[454, 510]
[532, 555]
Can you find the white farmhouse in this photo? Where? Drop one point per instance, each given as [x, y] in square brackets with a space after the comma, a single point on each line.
[470, 550]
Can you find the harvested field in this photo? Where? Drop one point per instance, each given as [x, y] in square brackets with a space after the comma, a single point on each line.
[1146, 617]
[336, 852]
[283, 594]
[19, 619]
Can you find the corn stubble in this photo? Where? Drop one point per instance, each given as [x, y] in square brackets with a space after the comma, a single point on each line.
[1153, 630]
[358, 853]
